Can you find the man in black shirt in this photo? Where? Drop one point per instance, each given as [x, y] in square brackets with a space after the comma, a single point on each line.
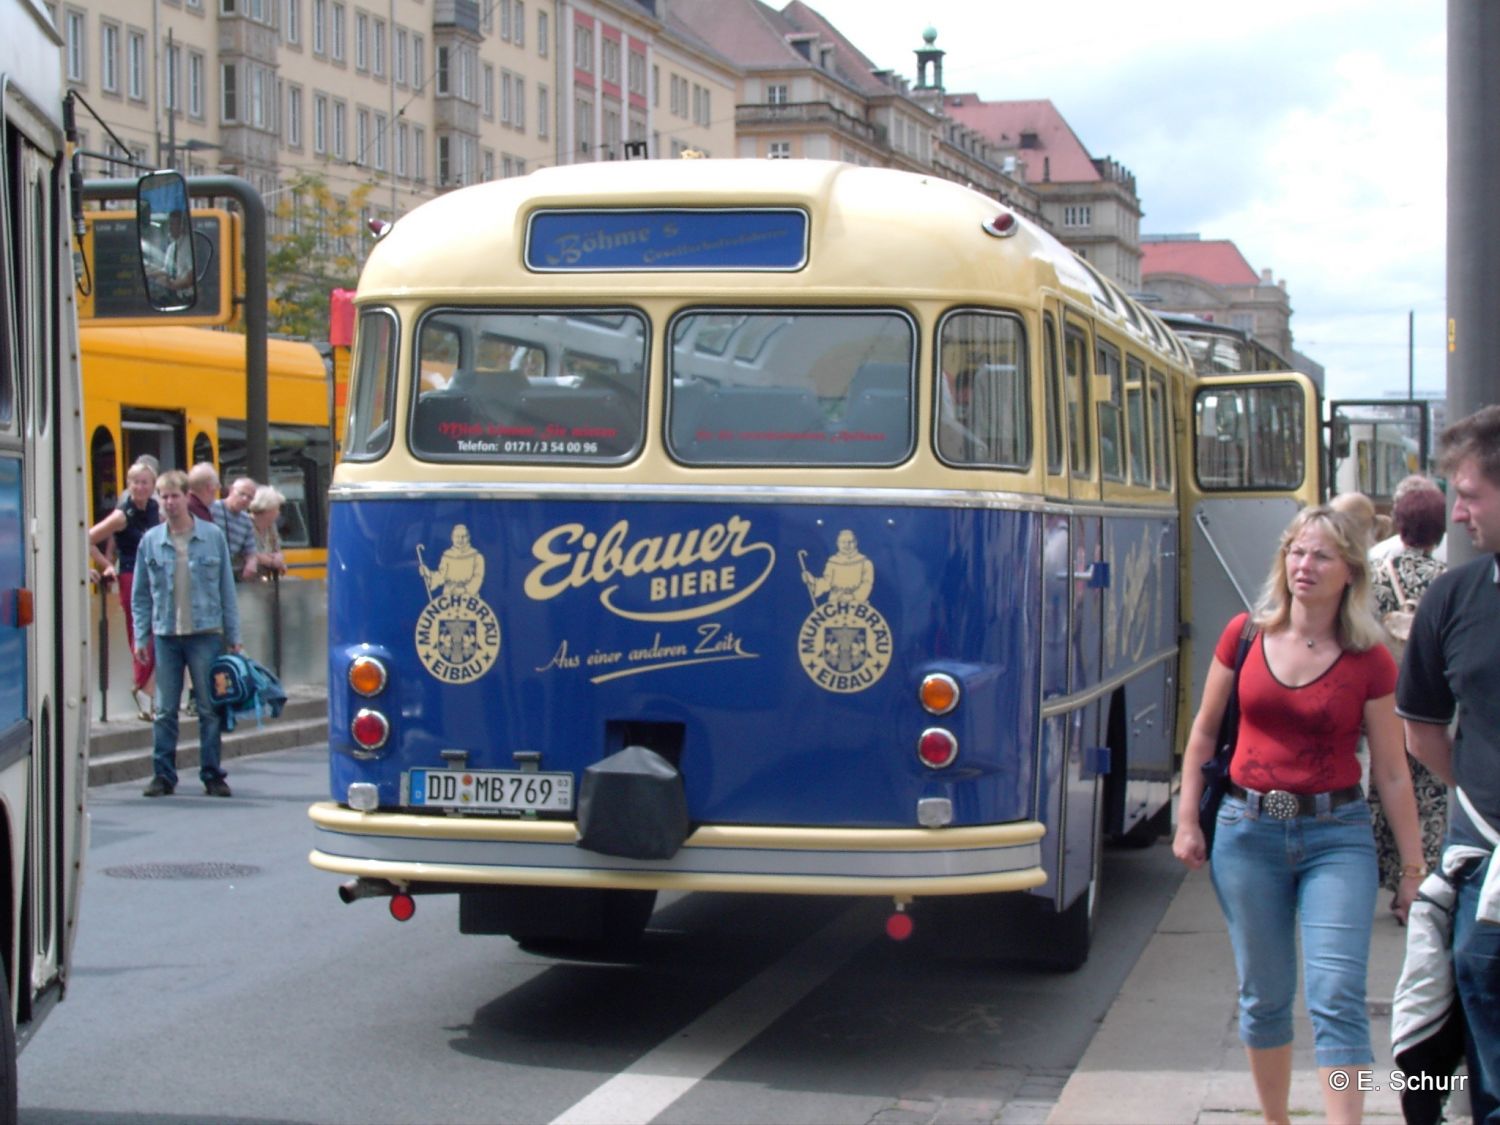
[1452, 666]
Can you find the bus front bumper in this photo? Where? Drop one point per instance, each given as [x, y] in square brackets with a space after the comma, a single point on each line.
[411, 850]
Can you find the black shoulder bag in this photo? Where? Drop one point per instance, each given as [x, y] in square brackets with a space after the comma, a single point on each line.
[1216, 769]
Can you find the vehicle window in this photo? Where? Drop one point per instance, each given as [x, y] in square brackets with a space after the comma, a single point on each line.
[367, 430]
[1111, 435]
[1161, 427]
[1076, 367]
[1249, 437]
[508, 385]
[984, 391]
[790, 387]
[1135, 422]
[1053, 394]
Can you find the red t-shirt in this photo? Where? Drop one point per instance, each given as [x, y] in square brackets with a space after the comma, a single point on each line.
[1302, 739]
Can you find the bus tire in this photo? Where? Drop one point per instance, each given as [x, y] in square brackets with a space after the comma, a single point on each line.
[1149, 829]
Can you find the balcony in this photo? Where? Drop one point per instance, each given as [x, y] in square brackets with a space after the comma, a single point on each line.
[806, 115]
[462, 15]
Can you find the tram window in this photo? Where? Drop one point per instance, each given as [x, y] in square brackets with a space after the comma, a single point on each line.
[367, 431]
[1076, 359]
[1053, 394]
[984, 392]
[1111, 433]
[1160, 428]
[1249, 438]
[509, 385]
[1135, 422]
[791, 387]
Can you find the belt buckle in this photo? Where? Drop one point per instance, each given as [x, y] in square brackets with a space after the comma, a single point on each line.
[1278, 804]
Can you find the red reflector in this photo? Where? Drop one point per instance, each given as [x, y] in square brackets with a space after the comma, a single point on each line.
[403, 906]
[370, 729]
[937, 747]
[898, 927]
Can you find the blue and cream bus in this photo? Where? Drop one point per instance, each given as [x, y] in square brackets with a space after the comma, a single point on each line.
[765, 526]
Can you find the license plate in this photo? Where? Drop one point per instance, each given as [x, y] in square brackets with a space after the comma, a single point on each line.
[504, 790]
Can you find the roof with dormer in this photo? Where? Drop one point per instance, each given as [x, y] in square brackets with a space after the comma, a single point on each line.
[1035, 131]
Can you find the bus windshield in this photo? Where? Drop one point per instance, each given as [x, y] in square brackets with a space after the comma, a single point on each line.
[791, 387]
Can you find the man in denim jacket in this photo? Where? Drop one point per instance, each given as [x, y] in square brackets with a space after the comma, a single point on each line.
[184, 605]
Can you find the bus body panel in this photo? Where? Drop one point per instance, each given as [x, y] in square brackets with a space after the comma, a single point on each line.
[792, 710]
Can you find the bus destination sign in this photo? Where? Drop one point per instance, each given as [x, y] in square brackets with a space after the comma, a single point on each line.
[650, 240]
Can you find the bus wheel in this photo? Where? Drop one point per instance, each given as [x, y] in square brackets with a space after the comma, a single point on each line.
[1149, 830]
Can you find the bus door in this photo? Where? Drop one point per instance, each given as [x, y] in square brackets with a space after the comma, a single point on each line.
[161, 433]
[1086, 576]
[1250, 462]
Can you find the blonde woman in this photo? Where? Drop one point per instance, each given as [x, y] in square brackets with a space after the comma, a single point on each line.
[1293, 847]
[135, 514]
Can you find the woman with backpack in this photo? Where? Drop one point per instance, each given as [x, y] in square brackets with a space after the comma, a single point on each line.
[1397, 585]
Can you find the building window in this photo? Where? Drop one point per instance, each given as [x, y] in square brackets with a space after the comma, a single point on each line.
[228, 94]
[518, 107]
[73, 27]
[637, 73]
[518, 28]
[320, 123]
[1078, 215]
[487, 92]
[443, 71]
[543, 109]
[361, 136]
[541, 34]
[319, 25]
[340, 135]
[779, 150]
[135, 65]
[656, 86]
[776, 95]
[583, 114]
[504, 20]
[444, 160]
[398, 57]
[609, 62]
[418, 62]
[583, 48]
[292, 31]
[259, 95]
[361, 42]
[197, 67]
[419, 153]
[377, 48]
[403, 142]
[382, 127]
[487, 165]
[172, 65]
[294, 116]
[109, 57]
[506, 84]
[336, 16]
[678, 96]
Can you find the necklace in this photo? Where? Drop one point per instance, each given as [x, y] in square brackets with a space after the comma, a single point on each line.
[1310, 642]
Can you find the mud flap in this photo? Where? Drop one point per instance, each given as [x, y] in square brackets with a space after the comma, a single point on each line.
[632, 804]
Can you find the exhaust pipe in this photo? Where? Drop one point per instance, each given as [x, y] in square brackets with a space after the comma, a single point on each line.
[360, 888]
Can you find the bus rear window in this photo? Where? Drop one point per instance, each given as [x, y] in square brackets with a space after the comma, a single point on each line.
[529, 386]
[791, 387]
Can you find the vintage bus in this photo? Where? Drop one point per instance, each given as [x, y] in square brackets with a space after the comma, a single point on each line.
[766, 526]
[178, 393]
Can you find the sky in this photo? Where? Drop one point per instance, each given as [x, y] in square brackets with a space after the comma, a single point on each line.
[1311, 133]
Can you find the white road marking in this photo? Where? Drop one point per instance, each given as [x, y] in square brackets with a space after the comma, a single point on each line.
[640, 1092]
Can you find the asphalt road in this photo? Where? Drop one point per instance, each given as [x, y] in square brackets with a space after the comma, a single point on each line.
[217, 977]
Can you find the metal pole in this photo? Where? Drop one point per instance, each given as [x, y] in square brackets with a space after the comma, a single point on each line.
[1473, 221]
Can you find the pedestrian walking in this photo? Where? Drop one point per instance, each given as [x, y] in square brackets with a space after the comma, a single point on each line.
[185, 612]
[1293, 849]
[1452, 669]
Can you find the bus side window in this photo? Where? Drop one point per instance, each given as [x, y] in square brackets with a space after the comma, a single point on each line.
[1135, 422]
[984, 393]
[1161, 427]
[367, 433]
[1052, 392]
[1111, 435]
[1076, 356]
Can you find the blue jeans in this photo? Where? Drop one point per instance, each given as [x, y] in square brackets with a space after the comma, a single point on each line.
[196, 653]
[1319, 871]
[1476, 969]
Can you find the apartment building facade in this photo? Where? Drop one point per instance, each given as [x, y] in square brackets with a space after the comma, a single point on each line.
[408, 97]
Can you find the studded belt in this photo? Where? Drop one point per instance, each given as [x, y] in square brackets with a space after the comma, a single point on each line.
[1278, 804]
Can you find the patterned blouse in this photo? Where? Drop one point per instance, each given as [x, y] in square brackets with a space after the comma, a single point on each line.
[1414, 567]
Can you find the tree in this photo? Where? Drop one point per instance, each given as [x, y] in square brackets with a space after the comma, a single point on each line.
[317, 245]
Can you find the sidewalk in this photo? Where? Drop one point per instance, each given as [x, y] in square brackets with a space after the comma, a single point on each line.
[120, 750]
[1168, 1051]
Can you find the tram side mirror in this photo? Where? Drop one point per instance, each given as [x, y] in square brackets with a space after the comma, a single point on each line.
[164, 231]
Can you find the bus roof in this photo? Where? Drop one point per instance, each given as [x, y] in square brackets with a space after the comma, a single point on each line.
[917, 235]
[200, 347]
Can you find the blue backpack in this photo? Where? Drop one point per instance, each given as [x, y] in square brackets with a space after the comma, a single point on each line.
[238, 684]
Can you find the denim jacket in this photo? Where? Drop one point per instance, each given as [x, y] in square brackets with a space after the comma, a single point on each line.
[152, 599]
